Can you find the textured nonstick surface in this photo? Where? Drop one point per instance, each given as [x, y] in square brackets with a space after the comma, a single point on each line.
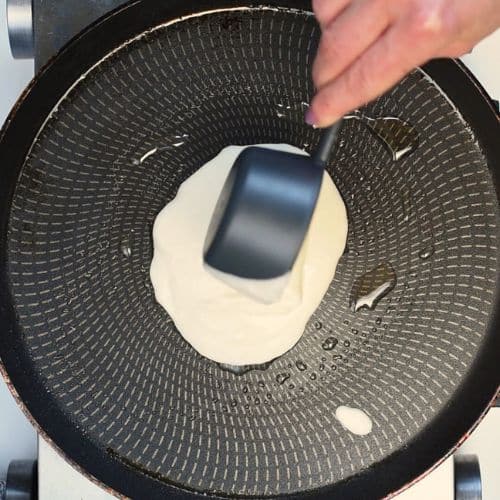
[107, 355]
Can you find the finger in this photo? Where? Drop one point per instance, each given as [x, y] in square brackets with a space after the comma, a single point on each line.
[327, 10]
[381, 66]
[347, 37]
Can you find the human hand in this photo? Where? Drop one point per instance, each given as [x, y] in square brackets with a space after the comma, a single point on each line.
[367, 46]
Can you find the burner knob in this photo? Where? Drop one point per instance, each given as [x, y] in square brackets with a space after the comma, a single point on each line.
[467, 477]
[20, 26]
[22, 481]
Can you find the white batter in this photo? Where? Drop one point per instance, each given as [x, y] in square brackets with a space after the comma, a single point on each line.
[218, 321]
[354, 420]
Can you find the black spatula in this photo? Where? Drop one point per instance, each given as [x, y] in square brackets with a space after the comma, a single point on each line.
[263, 213]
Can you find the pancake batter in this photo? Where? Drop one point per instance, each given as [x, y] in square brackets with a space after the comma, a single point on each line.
[218, 321]
[354, 420]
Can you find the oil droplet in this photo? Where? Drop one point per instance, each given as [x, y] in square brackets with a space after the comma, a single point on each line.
[145, 156]
[281, 378]
[313, 376]
[321, 367]
[354, 420]
[261, 383]
[329, 343]
[234, 403]
[347, 343]
[301, 365]
[318, 325]
[242, 369]
[125, 248]
[426, 252]
[378, 320]
[291, 386]
[372, 286]
[245, 389]
[399, 137]
[407, 205]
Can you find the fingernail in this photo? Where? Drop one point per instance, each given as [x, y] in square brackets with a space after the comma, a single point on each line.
[311, 118]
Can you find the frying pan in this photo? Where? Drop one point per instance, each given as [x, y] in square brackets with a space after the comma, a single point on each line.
[99, 365]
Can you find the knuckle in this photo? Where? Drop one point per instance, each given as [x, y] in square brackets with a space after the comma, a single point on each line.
[452, 24]
[427, 21]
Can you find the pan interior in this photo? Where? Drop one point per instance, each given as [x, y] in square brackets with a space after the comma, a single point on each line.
[115, 151]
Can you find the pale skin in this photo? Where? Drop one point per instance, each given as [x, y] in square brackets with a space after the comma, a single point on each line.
[367, 46]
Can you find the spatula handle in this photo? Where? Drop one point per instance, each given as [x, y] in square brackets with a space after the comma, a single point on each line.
[327, 142]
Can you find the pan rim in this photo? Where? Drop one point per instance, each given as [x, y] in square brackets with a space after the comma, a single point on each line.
[48, 86]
